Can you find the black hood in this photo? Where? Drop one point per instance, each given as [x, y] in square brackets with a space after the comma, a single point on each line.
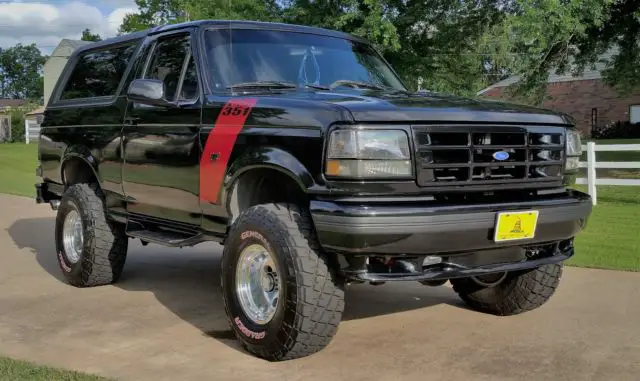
[384, 106]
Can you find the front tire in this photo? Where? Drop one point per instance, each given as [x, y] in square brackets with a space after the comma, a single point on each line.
[517, 293]
[310, 299]
[91, 250]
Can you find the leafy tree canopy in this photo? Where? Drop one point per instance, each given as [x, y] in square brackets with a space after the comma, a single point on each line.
[454, 46]
[88, 36]
[21, 72]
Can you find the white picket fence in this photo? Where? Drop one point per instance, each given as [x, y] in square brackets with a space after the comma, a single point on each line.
[591, 164]
[31, 130]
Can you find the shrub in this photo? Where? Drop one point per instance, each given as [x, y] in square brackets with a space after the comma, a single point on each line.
[18, 115]
[17, 126]
[617, 130]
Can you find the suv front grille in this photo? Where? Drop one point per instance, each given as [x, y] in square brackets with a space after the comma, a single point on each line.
[468, 155]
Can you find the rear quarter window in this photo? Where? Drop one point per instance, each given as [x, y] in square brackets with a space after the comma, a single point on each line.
[98, 73]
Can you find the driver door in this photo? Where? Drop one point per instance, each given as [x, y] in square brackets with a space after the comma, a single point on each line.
[160, 173]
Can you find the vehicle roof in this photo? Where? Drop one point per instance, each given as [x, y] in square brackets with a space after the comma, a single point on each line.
[232, 24]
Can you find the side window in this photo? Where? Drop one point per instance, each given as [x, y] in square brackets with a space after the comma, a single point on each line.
[168, 65]
[98, 73]
[190, 84]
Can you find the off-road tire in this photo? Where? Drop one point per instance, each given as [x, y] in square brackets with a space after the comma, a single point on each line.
[519, 292]
[105, 244]
[313, 297]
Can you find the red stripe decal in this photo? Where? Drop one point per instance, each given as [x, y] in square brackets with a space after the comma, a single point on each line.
[220, 143]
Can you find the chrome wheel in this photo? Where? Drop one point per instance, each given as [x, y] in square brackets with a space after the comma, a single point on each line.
[257, 284]
[72, 236]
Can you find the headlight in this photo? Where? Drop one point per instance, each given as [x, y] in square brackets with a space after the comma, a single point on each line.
[574, 150]
[574, 145]
[368, 154]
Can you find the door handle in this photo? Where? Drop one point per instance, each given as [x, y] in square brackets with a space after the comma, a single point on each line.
[131, 120]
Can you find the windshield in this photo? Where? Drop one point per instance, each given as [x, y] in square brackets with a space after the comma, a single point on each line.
[240, 56]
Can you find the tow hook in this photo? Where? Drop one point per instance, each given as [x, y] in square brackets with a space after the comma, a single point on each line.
[54, 204]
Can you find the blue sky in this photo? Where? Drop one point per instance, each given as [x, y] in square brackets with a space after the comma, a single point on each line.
[109, 6]
[46, 22]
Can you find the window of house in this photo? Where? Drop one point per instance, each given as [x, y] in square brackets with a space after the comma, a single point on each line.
[98, 73]
[634, 114]
[173, 64]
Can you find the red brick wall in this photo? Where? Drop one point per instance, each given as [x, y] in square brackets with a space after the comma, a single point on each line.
[577, 98]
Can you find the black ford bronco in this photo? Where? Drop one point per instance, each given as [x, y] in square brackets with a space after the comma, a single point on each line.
[304, 154]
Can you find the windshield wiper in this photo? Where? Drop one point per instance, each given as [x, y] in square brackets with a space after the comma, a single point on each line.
[347, 82]
[275, 85]
[263, 84]
[317, 87]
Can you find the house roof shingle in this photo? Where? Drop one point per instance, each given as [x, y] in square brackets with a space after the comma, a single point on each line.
[4, 103]
[37, 111]
[588, 74]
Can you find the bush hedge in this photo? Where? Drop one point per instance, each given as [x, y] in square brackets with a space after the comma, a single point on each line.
[17, 126]
[17, 120]
[617, 130]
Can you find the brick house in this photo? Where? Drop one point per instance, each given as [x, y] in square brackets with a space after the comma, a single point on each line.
[586, 98]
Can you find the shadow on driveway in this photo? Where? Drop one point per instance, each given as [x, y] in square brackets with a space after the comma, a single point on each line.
[186, 281]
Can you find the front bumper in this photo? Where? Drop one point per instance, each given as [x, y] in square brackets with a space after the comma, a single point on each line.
[423, 229]
[459, 236]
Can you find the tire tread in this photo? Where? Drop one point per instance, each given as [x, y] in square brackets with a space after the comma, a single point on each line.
[519, 292]
[320, 299]
[105, 259]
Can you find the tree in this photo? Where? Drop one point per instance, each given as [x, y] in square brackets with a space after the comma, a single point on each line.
[158, 12]
[154, 12]
[435, 40]
[542, 37]
[88, 36]
[454, 46]
[264, 10]
[21, 72]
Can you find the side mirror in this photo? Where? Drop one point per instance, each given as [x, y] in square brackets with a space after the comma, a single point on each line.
[148, 91]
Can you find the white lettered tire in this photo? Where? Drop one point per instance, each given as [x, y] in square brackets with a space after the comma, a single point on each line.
[97, 254]
[310, 300]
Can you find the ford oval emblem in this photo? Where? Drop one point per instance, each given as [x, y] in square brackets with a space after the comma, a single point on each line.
[501, 155]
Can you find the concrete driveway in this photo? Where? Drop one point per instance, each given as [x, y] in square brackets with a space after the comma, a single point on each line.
[165, 321]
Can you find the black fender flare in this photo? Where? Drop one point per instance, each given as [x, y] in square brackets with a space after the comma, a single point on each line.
[267, 158]
[85, 155]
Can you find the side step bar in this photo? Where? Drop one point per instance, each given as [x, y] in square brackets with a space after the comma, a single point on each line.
[168, 238]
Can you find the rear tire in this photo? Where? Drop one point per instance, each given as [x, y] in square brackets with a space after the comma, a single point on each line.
[102, 250]
[519, 292]
[311, 298]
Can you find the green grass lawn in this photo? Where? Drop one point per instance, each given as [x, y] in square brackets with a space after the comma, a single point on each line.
[610, 240]
[18, 169]
[14, 370]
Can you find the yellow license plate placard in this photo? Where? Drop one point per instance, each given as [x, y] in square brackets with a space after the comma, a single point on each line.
[516, 225]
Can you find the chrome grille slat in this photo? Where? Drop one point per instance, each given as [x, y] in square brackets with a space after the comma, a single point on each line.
[536, 155]
[482, 165]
